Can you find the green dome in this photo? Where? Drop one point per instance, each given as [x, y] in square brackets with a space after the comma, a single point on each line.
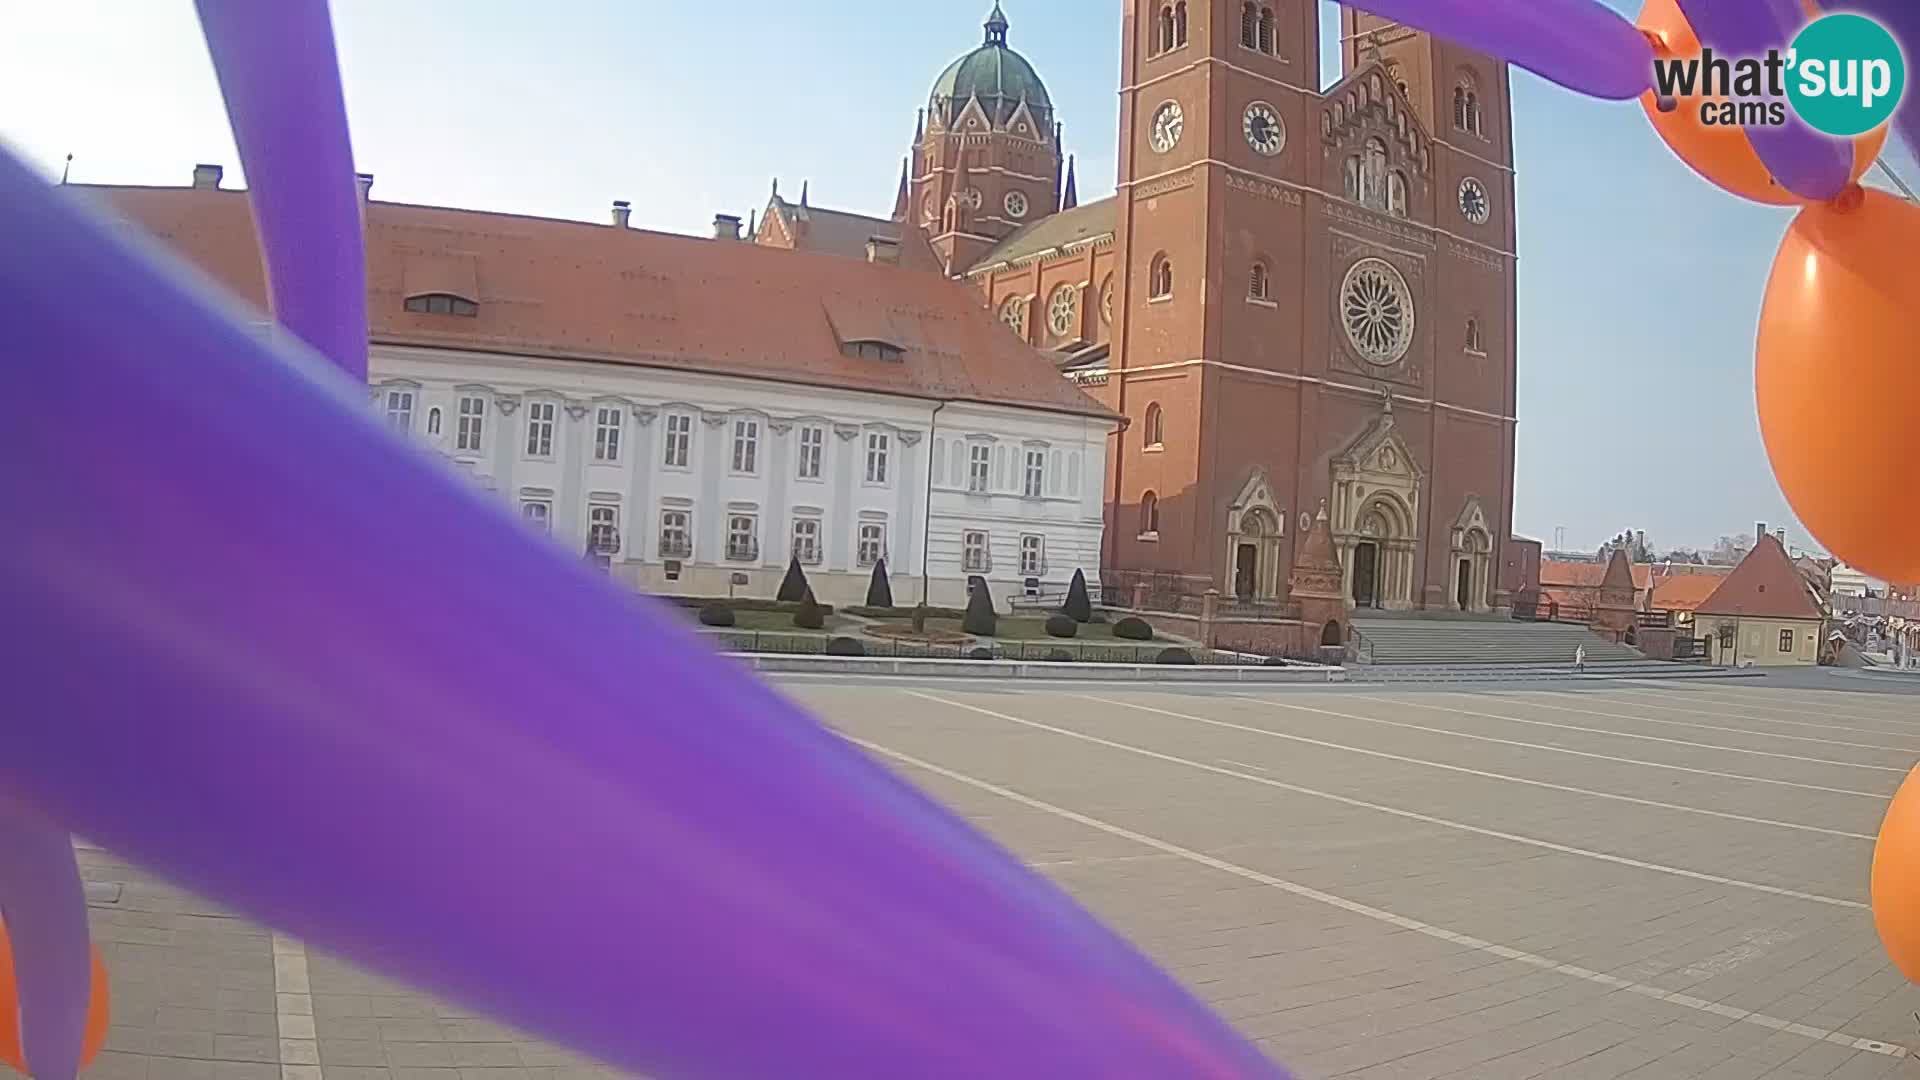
[995, 74]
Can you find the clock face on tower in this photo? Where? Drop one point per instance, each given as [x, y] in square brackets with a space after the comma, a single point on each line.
[1474, 204]
[1168, 122]
[1263, 129]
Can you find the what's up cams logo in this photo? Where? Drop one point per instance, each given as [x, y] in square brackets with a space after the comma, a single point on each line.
[1843, 75]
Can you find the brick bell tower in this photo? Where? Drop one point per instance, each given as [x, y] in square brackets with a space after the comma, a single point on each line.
[1461, 98]
[986, 155]
[1218, 140]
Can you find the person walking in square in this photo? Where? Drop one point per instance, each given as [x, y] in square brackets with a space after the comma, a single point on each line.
[1579, 658]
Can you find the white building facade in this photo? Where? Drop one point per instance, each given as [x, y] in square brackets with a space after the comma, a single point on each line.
[692, 482]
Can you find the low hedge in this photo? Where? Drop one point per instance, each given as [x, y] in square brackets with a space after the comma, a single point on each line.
[1174, 656]
[866, 612]
[1062, 626]
[716, 615]
[981, 653]
[1133, 628]
[741, 603]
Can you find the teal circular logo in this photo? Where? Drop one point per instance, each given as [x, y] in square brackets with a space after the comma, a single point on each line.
[1845, 74]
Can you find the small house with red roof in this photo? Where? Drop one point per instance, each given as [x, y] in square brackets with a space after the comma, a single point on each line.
[1763, 614]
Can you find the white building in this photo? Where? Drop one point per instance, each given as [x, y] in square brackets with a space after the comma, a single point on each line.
[687, 478]
[703, 409]
[1850, 582]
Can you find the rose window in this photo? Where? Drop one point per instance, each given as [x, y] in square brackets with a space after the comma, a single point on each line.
[1377, 311]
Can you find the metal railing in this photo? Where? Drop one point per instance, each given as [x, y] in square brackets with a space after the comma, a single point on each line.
[1359, 648]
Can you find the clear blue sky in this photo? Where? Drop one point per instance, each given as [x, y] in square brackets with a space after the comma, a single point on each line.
[1639, 284]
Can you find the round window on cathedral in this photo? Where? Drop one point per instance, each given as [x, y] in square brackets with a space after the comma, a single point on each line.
[1376, 309]
[972, 198]
[1013, 312]
[1106, 300]
[1063, 311]
[1016, 204]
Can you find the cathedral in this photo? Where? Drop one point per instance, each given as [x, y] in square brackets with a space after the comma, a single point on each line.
[1300, 299]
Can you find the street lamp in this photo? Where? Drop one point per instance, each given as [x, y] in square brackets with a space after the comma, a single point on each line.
[926, 525]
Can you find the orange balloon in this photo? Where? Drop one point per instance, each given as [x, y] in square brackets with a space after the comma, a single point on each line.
[1895, 888]
[1837, 378]
[1721, 154]
[97, 1010]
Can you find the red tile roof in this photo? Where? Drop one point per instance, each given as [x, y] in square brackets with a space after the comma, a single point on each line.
[1683, 592]
[571, 290]
[1584, 575]
[1764, 585]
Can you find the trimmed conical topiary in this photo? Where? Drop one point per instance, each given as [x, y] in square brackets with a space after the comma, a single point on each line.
[879, 592]
[809, 617]
[1079, 606]
[980, 620]
[794, 585]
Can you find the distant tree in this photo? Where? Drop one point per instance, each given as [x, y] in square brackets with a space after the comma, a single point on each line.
[1729, 550]
[794, 585]
[1684, 555]
[879, 592]
[1079, 606]
[980, 620]
[1633, 542]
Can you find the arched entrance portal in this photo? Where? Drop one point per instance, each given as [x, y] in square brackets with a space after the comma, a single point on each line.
[1256, 554]
[1379, 563]
[1255, 567]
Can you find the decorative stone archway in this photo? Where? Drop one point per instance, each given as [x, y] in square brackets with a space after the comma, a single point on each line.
[1256, 529]
[1470, 567]
[1375, 516]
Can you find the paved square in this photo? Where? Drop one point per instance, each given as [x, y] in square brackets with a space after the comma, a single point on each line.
[1606, 879]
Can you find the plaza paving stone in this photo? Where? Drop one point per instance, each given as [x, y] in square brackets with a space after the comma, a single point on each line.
[1578, 881]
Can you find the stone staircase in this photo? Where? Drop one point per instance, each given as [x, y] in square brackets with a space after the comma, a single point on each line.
[1436, 642]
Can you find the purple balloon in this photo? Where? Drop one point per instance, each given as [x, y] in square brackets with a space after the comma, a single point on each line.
[509, 783]
[277, 72]
[1902, 20]
[1580, 44]
[1802, 160]
[45, 910]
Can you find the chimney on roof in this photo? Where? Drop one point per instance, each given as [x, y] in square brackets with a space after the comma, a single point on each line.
[364, 181]
[208, 176]
[883, 249]
[726, 226]
[1759, 531]
[622, 213]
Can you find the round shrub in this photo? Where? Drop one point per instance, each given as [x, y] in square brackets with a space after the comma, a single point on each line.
[716, 615]
[981, 653]
[1174, 656]
[1061, 626]
[846, 646]
[1060, 656]
[1274, 661]
[1133, 628]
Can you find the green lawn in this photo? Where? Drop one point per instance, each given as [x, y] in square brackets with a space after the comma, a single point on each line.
[781, 621]
[1028, 628]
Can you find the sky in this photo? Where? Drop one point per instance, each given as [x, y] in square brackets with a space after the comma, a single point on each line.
[1639, 284]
